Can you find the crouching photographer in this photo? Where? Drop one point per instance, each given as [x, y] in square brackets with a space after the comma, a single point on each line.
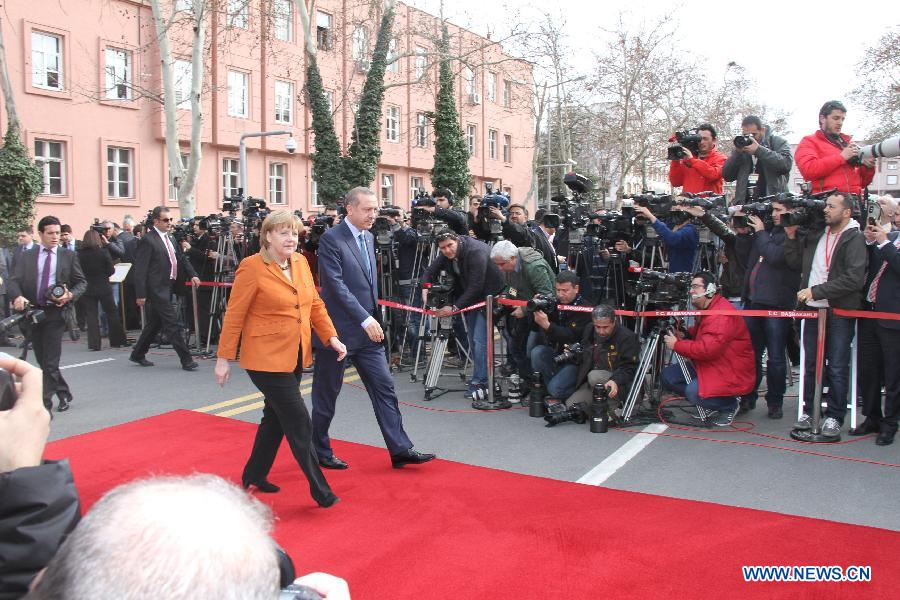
[607, 356]
[558, 328]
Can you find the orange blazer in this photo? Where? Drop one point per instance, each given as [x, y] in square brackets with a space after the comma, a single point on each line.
[272, 316]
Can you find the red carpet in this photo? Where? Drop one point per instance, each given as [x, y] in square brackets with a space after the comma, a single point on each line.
[448, 530]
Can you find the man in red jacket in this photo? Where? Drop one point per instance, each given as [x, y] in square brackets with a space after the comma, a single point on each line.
[723, 367]
[828, 158]
[700, 174]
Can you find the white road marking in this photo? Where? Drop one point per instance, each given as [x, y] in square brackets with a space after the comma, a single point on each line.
[84, 364]
[615, 461]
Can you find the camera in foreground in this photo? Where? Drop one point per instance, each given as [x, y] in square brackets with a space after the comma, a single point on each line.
[571, 356]
[682, 142]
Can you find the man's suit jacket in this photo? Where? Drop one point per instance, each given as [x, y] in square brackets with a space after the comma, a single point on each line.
[272, 316]
[349, 292]
[887, 299]
[23, 281]
[4, 270]
[152, 267]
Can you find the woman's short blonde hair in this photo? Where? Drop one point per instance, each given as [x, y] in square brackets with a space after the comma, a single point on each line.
[275, 220]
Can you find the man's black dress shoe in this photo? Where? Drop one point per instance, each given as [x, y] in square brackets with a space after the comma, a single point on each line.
[865, 428]
[333, 462]
[63, 404]
[329, 501]
[884, 439]
[265, 486]
[409, 457]
[125, 344]
[141, 361]
[191, 366]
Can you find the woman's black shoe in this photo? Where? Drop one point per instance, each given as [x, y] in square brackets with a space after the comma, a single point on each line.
[330, 501]
[264, 486]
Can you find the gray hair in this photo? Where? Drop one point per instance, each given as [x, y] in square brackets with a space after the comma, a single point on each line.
[890, 202]
[177, 538]
[355, 195]
[127, 220]
[602, 312]
[504, 249]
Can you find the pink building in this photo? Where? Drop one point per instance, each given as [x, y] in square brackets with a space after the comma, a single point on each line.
[87, 81]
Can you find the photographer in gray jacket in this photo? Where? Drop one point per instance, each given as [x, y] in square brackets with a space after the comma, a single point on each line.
[760, 162]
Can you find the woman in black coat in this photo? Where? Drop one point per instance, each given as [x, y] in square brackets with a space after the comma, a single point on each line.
[97, 266]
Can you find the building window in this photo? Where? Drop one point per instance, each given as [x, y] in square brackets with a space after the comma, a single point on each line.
[323, 30]
[231, 178]
[492, 86]
[414, 184]
[387, 190]
[182, 74]
[507, 93]
[507, 148]
[492, 143]
[421, 61]
[314, 192]
[118, 74]
[892, 166]
[392, 124]
[118, 172]
[393, 64]
[239, 13]
[507, 191]
[283, 17]
[361, 44]
[173, 192]
[329, 96]
[892, 180]
[277, 180]
[284, 102]
[469, 77]
[50, 156]
[472, 138]
[184, 5]
[421, 130]
[238, 94]
[46, 61]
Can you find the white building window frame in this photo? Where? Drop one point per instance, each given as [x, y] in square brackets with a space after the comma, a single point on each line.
[53, 168]
[119, 172]
[284, 102]
[278, 183]
[231, 176]
[392, 123]
[48, 61]
[238, 94]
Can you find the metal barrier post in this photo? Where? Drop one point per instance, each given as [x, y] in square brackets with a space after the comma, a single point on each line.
[815, 434]
[196, 317]
[802, 378]
[489, 320]
[853, 369]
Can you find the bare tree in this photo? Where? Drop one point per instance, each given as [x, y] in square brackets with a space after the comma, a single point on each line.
[879, 84]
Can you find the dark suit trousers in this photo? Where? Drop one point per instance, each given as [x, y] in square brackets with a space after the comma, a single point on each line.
[46, 340]
[879, 362]
[373, 370]
[91, 317]
[284, 415]
[160, 315]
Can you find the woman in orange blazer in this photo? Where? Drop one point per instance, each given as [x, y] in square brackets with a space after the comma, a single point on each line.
[273, 307]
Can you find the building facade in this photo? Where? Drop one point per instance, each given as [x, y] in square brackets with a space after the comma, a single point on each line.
[87, 79]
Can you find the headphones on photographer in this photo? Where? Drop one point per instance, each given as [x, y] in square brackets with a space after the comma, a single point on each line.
[711, 287]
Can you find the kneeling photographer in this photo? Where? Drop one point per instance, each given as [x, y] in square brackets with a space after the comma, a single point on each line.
[558, 328]
[474, 277]
[607, 356]
[527, 276]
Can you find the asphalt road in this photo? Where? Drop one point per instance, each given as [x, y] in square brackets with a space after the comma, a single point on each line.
[754, 464]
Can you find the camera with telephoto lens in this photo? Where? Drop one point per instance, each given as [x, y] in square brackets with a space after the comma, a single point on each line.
[98, 226]
[889, 148]
[542, 302]
[742, 141]
[439, 291]
[32, 316]
[600, 409]
[55, 293]
[763, 210]
[571, 356]
[689, 139]
[558, 412]
[660, 205]
[807, 210]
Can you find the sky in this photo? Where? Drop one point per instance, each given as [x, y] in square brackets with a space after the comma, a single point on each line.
[799, 53]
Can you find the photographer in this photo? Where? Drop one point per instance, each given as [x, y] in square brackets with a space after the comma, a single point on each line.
[557, 329]
[681, 240]
[759, 164]
[735, 257]
[48, 277]
[701, 169]
[514, 227]
[833, 264]
[200, 250]
[720, 351]
[609, 356]
[828, 158]
[527, 274]
[474, 277]
[442, 209]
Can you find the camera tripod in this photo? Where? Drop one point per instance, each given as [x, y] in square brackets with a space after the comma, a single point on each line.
[440, 330]
[426, 252]
[651, 253]
[386, 262]
[223, 271]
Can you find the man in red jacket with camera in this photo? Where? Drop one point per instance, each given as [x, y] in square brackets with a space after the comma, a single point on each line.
[703, 172]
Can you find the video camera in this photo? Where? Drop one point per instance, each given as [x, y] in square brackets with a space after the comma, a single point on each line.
[183, 230]
[29, 315]
[320, 225]
[661, 287]
[658, 204]
[490, 200]
[382, 229]
[439, 291]
[98, 226]
[423, 220]
[807, 210]
[689, 139]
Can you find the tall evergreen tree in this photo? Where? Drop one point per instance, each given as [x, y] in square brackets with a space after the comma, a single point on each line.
[21, 181]
[451, 154]
[328, 164]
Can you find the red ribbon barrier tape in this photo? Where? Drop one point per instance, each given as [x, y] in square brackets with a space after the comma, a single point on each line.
[210, 284]
[426, 311]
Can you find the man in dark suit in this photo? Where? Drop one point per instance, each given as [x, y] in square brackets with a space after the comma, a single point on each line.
[350, 291]
[879, 339]
[36, 273]
[157, 265]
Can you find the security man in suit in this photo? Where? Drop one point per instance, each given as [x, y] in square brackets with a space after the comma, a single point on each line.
[350, 291]
[37, 274]
[879, 339]
[157, 264]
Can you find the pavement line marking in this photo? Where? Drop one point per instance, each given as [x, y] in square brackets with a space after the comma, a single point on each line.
[84, 364]
[615, 461]
[239, 399]
[257, 405]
